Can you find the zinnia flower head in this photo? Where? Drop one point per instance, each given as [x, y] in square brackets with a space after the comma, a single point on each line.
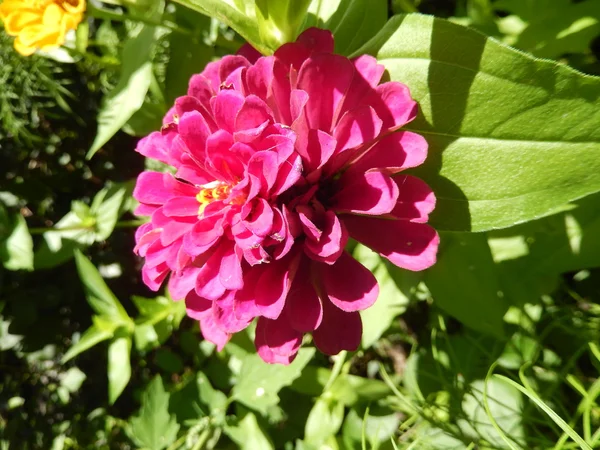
[278, 161]
[40, 24]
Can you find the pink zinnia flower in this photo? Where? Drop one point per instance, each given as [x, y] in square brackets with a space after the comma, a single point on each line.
[278, 161]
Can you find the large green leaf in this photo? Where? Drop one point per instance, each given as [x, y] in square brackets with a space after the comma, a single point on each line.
[512, 138]
[154, 428]
[353, 22]
[239, 15]
[249, 435]
[465, 283]
[129, 93]
[260, 382]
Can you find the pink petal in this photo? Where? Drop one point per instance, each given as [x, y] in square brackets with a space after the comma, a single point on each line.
[273, 286]
[395, 152]
[230, 64]
[250, 53]
[244, 301]
[180, 284]
[349, 285]
[415, 199]
[196, 306]
[153, 277]
[303, 306]
[317, 40]
[278, 336]
[203, 235]
[181, 207]
[260, 220]
[338, 331]
[230, 272]
[409, 245]
[357, 127]
[330, 244]
[194, 131]
[200, 88]
[225, 106]
[253, 113]
[393, 104]
[366, 77]
[223, 162]
[326, 79]
[224, 315]
[208, 280]
[150, 188]
[372, 193]
[259, 77]
[211, 332]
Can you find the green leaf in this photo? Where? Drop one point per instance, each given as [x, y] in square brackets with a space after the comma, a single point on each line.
[108, 205]
[324, 420]
[16, 245]
[390, 303]
[279, 20]
[92, 336]
[187, 56]
[353, 22]
[119, 366]
[159, 318]
[544, 407]
[129, 93]
[511, 138]
[249, 435]
[240, 16]
[84, 225]
[349, 389]
[553, 28]
[154, 428]
[505, 405]
[98, 294]
[72, 379]
[259, 382]
[464, 283]
[377, 428]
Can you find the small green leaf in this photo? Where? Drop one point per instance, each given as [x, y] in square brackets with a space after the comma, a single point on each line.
[108, 205]
[464, 283]
[154, 428]
[98, 294]
[92, 336]
[511, 138]
[72, 379]
[119, 366]
[249, 435]
[324, 420]
[16, 250]
[259, 382]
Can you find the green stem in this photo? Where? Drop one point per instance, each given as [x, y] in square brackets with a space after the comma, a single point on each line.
[337, 368]
[101, 13]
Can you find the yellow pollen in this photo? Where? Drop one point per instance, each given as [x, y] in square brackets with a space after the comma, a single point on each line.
[210, 193]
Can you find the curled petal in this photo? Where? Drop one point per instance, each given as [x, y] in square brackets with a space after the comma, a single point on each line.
[372, 193]
[408, 245]
[282, 342]
[349, 285]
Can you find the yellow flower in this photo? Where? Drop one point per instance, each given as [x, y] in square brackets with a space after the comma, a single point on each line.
[40, 24]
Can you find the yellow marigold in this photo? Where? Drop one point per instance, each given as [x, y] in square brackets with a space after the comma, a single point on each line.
[40, 24]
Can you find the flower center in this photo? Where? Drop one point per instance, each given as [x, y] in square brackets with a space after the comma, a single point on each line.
[210, 192]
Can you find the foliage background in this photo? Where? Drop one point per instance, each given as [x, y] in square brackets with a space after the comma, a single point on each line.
[495, 347]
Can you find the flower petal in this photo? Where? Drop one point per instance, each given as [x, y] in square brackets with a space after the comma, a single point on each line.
[372, 193]
[409, 245]
[349, 285]
[338, 331]
[278, 336]
[415, 199]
